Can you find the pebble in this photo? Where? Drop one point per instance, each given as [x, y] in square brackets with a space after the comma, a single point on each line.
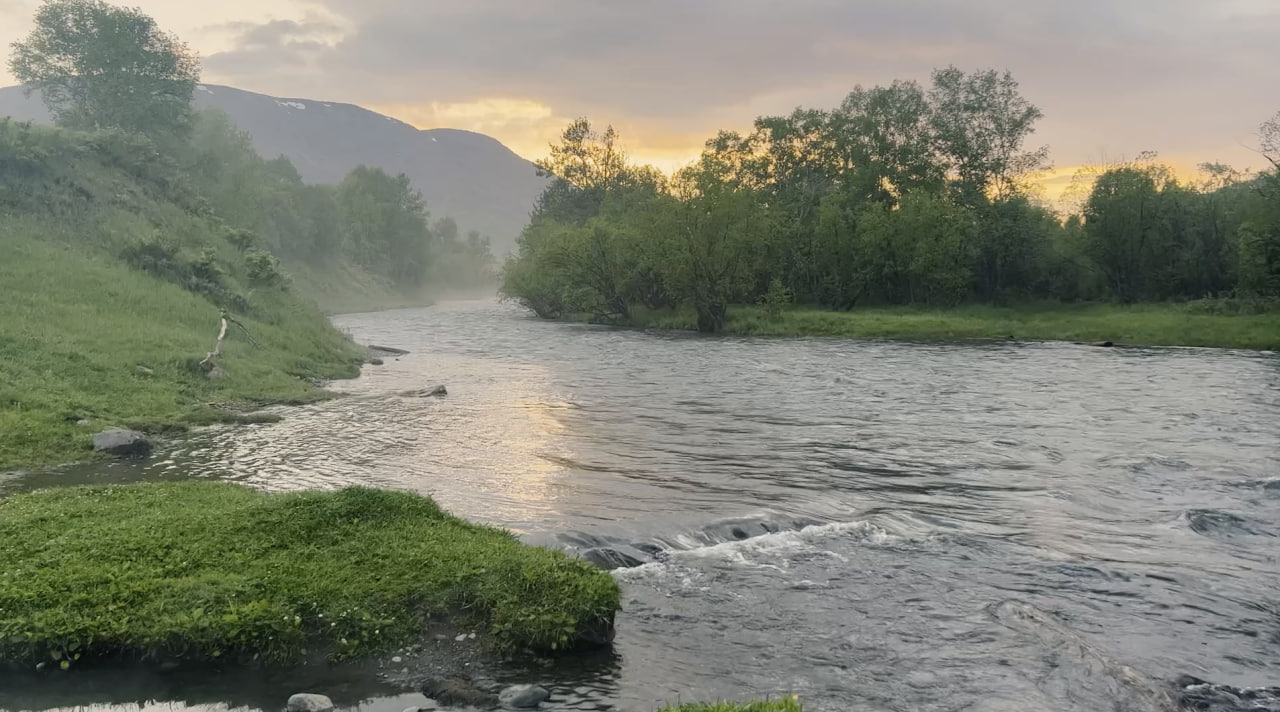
[397, 659]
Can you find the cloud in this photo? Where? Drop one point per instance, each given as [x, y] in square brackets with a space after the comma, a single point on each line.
[1179, 76]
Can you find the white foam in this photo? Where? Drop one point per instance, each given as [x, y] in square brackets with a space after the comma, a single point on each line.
[292, 105]
[804, 539]
[204, 89]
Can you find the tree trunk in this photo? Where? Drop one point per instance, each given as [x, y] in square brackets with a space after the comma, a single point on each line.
[711, 317]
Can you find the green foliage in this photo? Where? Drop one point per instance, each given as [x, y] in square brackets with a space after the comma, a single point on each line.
[264, 269]
[776, 298]
[98, 66]
[204, 572]
[900, 196]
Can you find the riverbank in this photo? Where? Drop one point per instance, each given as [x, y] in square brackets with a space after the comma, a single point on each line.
[1207, 324]
[88, 343]
[202, 572]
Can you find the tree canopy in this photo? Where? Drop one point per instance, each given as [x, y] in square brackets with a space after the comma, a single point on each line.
[98, 66]
[903, 194]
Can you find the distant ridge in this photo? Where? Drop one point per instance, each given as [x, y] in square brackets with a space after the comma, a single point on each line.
[468, 176]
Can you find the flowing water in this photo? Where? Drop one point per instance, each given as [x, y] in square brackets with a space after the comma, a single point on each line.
[870, 525]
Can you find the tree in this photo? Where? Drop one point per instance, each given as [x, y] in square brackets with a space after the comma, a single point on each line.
[980, 122]
[103, 67]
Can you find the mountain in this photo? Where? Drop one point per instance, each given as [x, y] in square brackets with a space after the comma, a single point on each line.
[470, 177]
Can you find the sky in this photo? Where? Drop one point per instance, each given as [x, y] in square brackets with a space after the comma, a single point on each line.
[1189, 79]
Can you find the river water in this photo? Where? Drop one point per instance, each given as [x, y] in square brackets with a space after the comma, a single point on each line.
[869, 525]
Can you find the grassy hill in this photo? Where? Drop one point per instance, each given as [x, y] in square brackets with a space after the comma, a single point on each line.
[113, 272]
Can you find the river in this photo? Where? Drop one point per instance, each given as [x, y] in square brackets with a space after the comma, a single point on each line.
[870, 525]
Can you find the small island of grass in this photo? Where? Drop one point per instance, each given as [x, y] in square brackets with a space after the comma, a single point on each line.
[201, 572]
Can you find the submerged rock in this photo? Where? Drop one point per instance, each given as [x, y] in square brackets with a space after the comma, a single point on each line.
[307, 702]
[457, 692]
[523, 697]
[437, 392]
[376, 362]
[122, 443]
[386, 351]
[610, 559]
[1196, 694]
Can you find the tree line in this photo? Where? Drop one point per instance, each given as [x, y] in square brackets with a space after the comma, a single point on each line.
[903, 195]
[104, 68]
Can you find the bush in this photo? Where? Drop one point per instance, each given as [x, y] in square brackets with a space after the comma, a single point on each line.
[205, 571]
[264, 269]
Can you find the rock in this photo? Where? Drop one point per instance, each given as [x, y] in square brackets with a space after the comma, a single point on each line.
[397, 660]
[122, 443]
[143, 371]
[84, 423]
[41, 666]
[217, 373]
[437, 392]
[387, 350]
[307, 702]
[610, 559]
[523, 697]
[319, 383]
[1196, 694]
[1105, 345]
[457, 692]
[426, 706]
[74, 417]
[376, 362]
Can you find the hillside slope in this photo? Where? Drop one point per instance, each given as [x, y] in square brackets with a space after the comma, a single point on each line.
[470, 177]
[112, 277]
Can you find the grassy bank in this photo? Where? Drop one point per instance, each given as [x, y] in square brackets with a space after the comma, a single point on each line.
[112, 276]
[204, 571]
[86, 338]
[1202, 324]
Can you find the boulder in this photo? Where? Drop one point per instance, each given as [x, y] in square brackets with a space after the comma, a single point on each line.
[307, 702]
[122, 443]
[610, 559]
[217, 373]
[523, 697]
[376, 362]
[457, 692]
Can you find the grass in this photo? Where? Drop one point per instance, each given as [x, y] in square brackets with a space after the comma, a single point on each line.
[77, 326]
[1138, 325]
[205, 572]
[788, 704]
[86, 337]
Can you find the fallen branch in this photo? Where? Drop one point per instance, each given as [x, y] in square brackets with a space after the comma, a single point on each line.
[226, 320]
[217, 346]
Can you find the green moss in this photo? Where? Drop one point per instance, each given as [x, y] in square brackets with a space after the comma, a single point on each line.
[1138, 325]
[788, 704]
[207, 571]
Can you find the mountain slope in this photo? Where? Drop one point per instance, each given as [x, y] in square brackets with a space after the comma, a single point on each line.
[468, 176]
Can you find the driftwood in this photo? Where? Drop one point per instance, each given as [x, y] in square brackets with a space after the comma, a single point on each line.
[226, 320]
